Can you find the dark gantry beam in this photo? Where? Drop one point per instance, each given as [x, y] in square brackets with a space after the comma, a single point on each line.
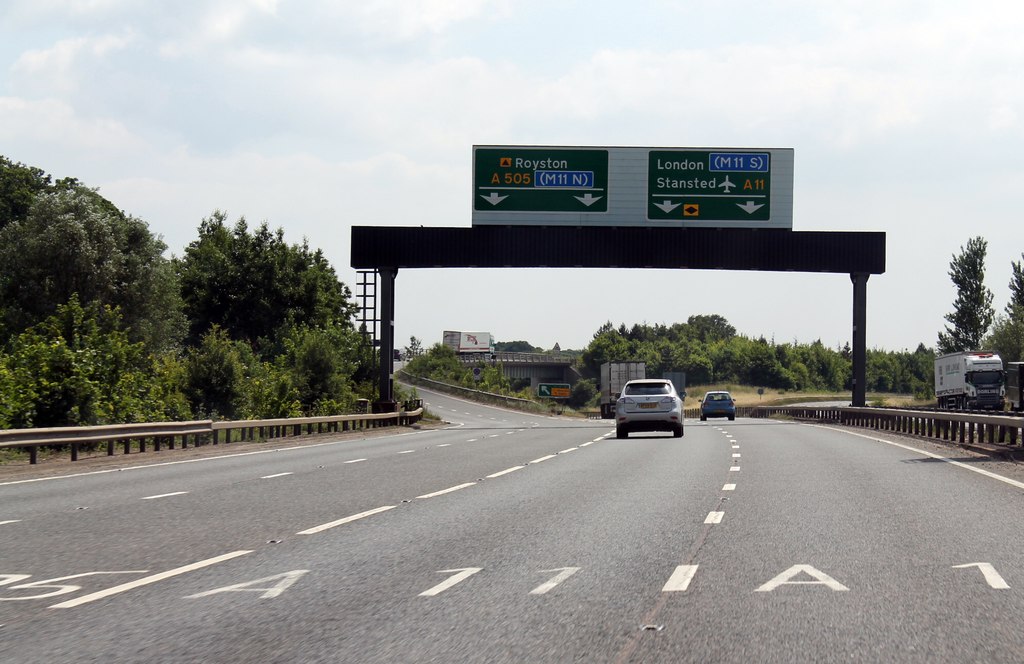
[607, 247]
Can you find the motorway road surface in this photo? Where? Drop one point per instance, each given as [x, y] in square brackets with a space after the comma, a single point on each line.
[509, 537]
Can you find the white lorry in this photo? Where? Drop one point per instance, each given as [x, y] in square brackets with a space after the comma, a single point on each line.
[613, 376]
[971, 380]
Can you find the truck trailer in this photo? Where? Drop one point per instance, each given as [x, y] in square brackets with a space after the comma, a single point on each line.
[971, 380]
[613, 376]
[1015, 385]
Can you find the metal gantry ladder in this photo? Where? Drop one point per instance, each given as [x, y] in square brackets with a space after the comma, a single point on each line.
[366, 294]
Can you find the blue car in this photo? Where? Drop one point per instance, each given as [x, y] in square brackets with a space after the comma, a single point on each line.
[717, 404]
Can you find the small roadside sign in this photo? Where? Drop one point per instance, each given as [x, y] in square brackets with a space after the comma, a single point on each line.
[554, 390]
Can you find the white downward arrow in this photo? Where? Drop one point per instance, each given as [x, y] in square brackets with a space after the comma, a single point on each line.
[588, 199]
[493, 198]
[750, 207]
[667, 206]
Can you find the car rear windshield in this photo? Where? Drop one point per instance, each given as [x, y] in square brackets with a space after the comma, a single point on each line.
[648, 389]
[721, 396]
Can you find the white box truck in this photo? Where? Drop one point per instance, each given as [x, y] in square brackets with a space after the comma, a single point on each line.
[613, 376]
[971, 380]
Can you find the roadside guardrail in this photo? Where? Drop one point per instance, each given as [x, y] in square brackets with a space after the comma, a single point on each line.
[473, 395]
[201, 432]
[956, 427]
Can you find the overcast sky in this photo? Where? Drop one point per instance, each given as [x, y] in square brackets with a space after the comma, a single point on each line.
[905, 117]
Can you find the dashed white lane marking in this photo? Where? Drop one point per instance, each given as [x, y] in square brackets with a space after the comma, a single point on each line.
[270, 477]
[355, 517]
[10, 521]
[463, 574]
[505, 472]
[736, 455]
[587, 444]
[729, 487]
[85, 599]
[571, 449]
[356, 461]
[509, 433]
[714, 517]
[680, 579]
[563, 574]
[165, 495]
[472, 440]
[407, 451]
[445, 445]
[493, 435]
[543, 458]
[734, 469]
[735, 447]
[448, 490]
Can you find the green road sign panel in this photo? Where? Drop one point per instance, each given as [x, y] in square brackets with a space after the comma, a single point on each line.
[554, 390]
[527, 179]
[709, 185]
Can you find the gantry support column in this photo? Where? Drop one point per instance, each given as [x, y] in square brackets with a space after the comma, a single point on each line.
[860, 318]
[385, 389]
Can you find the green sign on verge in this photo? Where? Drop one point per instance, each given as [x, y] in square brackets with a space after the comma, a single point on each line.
[554, 390]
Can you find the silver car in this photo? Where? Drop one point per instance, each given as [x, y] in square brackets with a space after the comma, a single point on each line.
[648, 405]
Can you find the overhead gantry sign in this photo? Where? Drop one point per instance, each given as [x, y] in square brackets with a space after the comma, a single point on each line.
[681, 208]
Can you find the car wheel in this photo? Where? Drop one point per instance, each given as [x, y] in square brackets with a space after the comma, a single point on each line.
[621, 433]
[678, 431]
[703, 418]
[732, 417]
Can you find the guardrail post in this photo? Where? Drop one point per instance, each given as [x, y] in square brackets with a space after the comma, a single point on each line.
[33, 455]
[110, 448]
[74, 451]
[127, 445]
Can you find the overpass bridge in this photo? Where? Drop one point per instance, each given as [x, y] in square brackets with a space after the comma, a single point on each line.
[537, 367]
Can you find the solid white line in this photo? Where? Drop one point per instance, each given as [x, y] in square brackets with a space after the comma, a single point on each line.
[85, 599]
[165, 495]
[714, 517]
[10, 521]
[348, 519]
[543, 458]
[980, 471]
[729, 487]
[571, 449]
[355, 461]
[270, 477]
[448, 490]
[680, 579]
[505, 472]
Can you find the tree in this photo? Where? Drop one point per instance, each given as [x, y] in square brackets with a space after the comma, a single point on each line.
[19, 186]
[255, 286]
[972, 310]
[1007, 337]
[1016, 288]
[710, 328]
[71, 242]
[214, 373]
[79, 368]
[414, 349]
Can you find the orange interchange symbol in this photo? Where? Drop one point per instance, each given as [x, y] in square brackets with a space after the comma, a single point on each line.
[506, 162]
[691, 210]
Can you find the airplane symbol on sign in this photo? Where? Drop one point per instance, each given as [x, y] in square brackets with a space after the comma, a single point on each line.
[727, 185]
